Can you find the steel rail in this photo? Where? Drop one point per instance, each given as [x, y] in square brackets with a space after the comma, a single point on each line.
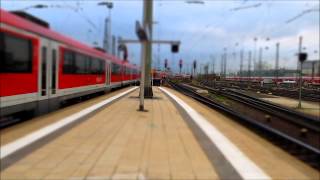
[298, 118]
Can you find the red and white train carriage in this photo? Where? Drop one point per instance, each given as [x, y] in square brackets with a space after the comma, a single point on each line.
[40, 68]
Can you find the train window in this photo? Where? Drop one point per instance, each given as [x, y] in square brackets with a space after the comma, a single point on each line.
[16, 54]
[53, 73]
[95, 66]
[44, 71]
[89, 64]
[81, 64]
[113, 68]
[102, 66]
[77, 63]
[129, 71]
[69, 62]
[116, 69]
[126, 70]
[119, 69]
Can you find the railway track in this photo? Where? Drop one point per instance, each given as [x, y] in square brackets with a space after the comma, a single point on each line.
[296, 133]
[307, 94]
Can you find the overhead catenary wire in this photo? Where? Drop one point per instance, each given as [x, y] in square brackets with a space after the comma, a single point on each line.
[307, 11]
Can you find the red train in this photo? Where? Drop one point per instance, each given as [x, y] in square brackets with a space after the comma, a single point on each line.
[40, 68]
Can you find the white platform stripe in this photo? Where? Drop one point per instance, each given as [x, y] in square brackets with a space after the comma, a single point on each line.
[240, 162]
[33, 137]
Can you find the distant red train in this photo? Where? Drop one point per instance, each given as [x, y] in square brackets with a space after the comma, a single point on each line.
[40, 68]
[305, 79]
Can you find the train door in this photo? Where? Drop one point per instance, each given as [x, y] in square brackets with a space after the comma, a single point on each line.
[108, 74]
[43, 69]
[47, 75]
[43, 78]
[53, 70]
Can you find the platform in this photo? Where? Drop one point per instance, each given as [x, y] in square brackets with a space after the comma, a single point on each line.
[119, 142]
[19, 130]
[311, 108]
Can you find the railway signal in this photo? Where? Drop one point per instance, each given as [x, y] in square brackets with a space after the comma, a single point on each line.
[302, 57]
[175, 48]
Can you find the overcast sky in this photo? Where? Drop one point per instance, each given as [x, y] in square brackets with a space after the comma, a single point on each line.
[204, 29]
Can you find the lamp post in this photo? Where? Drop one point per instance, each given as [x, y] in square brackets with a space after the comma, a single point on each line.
[260, 62]
[225, 63]
[260, 67]
[277, 62]
[234, 54]
[221, 65]
[213, 58]
[107, 32]
[255, 39]
[241, 62]
[314, 64]
[249, 67]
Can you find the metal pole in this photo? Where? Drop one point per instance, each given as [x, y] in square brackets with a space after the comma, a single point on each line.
[233, 59]
[277, 62]
[193, 70]
[158, 60]
[241, 62]
[300, 73]
[299, 51]
[260, 62]
[225, 62]
[106, 36]
[143, 61]
[113, 45]
[255, 53]
[213, 63]
[249, 66]
[147, 24]
[300, 85]
[222, 65]
[312, 71]
[109, 31]
[146, 53]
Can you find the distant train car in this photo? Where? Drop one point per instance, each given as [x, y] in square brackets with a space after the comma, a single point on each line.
[306, 79]
[158, 77]
[40, 68]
